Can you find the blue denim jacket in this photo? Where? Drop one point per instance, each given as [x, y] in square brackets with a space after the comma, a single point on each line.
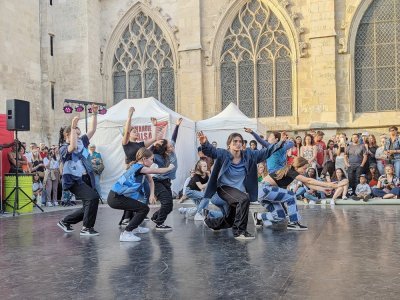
[396, 147]
[224, 158]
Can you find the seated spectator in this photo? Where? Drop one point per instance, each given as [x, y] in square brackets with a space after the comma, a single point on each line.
[341, 191]
[363, 190]
[298, 188]
[372, 175]
[312, 196]
[37, 189]
[184, 196]
[388, 184]
[208, 160]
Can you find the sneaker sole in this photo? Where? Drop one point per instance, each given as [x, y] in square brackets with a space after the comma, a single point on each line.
[297, 229]
[63, 229]
[244, 238]
[87, 234]
[162, 229]
[124, 241]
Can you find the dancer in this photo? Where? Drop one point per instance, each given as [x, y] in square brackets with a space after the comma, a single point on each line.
[78, 176]
[164, 155]
[195, 191]
[276, 193]
[128, 193]
[234, 178]
[131, 145]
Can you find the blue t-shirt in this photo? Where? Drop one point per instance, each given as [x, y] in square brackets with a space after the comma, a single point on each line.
[234, 176]
[76, 163]
[130, 184]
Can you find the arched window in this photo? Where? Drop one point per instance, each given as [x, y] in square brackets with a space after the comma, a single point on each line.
[377, 58]
[256, 63]
[143, 64]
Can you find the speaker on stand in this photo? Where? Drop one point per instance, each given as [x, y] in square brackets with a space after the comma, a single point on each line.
[18, 119]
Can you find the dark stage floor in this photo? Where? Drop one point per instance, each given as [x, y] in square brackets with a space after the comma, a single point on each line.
[349, 252]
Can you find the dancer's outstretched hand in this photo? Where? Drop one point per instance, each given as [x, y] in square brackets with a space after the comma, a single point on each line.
[95, 108]
[248, 130]
[202, 138]
[179, 121]
[153, 121]
[74, 122]
[131, 111]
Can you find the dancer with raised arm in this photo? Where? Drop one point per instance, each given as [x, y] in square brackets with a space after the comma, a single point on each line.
[276, 194]
[234, 178]
[78, 175]
[128, 193]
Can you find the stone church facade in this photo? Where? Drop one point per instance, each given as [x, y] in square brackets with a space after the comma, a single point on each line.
[293, 64]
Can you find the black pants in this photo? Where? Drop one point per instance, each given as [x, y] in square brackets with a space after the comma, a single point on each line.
[90, 201]
[238, 211]
[162, 190]
[354, 173]
[129, 214]
[124, 203]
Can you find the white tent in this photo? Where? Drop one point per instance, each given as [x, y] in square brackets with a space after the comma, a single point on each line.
[108, 138]
[230, 120]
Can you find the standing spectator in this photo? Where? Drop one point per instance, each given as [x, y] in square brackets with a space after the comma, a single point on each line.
[295, 150]
[253, 145]
[363, 190]
[392, 149]
[97, 165]
[329, 166]
[321, 150]
[381, 156]
[51, 178]
[355, 159]
[309, 151]
[388, 184]
[43, 150]
[37, 164]
[371, 150]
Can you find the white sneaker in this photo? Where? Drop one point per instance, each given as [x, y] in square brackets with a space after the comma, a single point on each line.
[182, 210]
[312, 202]
[323, 201]
[198, 217]
[128, 236]
[49, 204]
[55, 203]
[141, 230]
[332, 202]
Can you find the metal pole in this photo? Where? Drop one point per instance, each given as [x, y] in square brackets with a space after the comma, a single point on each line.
[86, 117]
[16, 190]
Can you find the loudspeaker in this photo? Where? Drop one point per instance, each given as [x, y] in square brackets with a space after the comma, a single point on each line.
[18, 117]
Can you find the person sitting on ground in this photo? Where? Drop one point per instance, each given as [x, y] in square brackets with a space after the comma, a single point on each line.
[388, 184]
[363, 190]
[187, 180]
[337, 177]
[372, 175]
[312, 196]
[195, 191]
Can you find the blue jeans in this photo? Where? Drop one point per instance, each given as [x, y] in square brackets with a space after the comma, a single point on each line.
[380, 193]
[300, 192]
[396, 164]
[221, 204]
[274, 198]
[201, 203]
[97, 183]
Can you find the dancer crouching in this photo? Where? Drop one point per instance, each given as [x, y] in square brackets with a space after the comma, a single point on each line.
[234, 178]
[78, 175]
[276, 193]
[128, 193]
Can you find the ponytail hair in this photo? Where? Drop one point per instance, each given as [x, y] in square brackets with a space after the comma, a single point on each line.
[298, 162]
[142, 153]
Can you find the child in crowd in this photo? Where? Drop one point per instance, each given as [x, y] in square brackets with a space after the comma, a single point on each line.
[363, 190]
[128, 193]
[37, 189]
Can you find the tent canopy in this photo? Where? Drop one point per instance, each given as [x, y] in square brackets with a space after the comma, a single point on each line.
[230, 120]
[108, 138]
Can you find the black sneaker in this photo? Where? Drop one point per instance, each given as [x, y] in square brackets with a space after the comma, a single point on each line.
[296, 226]
[65, 226]
[356, 198]
[163, 227]
[366, 198]
[125, 222]
[258, 223]
[244, 236]
[88, 232]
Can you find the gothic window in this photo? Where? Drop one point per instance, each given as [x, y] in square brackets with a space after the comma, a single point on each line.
[377, 58]
[143, 63]
[256, 63]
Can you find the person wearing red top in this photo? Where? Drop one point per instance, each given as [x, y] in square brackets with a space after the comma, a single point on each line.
[321, 150]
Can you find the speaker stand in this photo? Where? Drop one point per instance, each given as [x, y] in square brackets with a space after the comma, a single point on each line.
[16, 189]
